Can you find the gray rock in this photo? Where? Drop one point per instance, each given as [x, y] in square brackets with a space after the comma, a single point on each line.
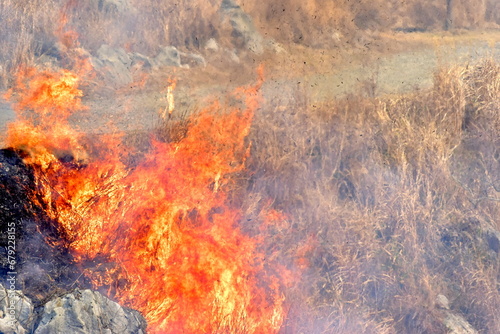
[114, 65]
[140, 59]
[457, 324]
[88, 312]
[171, 56]
[119, 55]
[442, 302]
[192, 60]
[493, 240]
[244, 30]
[275, 46]
[111, 6]
[168, 56]
[16, 312]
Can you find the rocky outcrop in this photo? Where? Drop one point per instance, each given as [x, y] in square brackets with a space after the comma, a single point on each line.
[86, 311]
[16, 312]
[168, 56]
[244, 32]
[116, 66]
[78, 312]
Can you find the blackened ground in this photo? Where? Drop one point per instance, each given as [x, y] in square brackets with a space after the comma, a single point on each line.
[44, 266]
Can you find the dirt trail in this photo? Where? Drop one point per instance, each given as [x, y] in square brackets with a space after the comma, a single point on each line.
[393, 74]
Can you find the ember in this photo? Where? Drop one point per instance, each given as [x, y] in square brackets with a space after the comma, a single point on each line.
[160, 236]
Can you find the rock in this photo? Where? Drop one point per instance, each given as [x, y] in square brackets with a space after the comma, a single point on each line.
[493, 240]
[114, 6]
[171, 56]
[86, 311]
[244, 30]
[16, 312]
[212, 45]
[114, 65]
[275, 46]
[233, 56]
[192, 60]
[457, 324]
[142, 60]
[168, 56]
[442, 302]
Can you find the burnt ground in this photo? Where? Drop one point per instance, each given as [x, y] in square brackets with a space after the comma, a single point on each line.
[43, 265]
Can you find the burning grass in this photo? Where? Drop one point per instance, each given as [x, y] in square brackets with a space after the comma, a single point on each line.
[346, 217]
[161, 235]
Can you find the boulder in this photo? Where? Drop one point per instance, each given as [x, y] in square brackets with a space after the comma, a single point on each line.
[114, 65]
[244, 31]
[86, 312]
[168, 56]
[492, 237]
[171, 56]
[16, 312]
[114, 6]
[192, 60]
[455, 323]
[212, 45]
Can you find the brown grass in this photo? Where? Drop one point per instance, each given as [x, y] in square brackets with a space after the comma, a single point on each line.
[30, 29]
[390, 201]
[379, 189]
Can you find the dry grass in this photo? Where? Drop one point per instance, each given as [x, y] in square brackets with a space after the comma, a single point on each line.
[23, 25]
[381, 211]
[389, 200]
[30, 29]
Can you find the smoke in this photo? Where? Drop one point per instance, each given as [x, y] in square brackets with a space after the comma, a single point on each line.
[375, 202]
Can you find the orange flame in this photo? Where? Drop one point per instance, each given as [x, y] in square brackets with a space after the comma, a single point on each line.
[51, 98]
[170, 99]
[164, 227]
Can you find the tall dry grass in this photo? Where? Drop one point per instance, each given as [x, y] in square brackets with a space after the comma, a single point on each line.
[390, 201]
[30, 29]
[24, 26]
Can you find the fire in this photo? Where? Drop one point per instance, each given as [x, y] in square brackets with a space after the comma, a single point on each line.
[161, 235]
[46, 131]
[170, 99]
